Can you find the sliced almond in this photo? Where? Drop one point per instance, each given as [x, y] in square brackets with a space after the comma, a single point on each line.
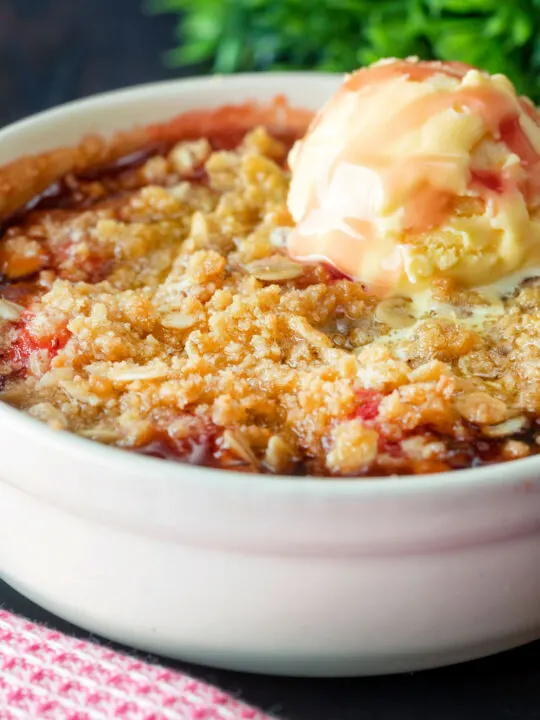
[234, 441]
[395, 312]
[79, 391]
[314, 337]
[10, 311]
[275, 269]
[505, 429]
[130, 373]
[13, 395]
[100, 434]
[178, 321]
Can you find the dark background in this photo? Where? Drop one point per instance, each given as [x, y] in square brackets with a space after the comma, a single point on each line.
[52, 51]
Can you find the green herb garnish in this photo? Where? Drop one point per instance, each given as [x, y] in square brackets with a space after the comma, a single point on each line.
[340, 35]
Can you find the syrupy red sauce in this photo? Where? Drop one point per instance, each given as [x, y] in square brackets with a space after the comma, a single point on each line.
[486, 179]
[412, 71]
[20, 293]
[203, 448]
[199, 449]
[334, 274]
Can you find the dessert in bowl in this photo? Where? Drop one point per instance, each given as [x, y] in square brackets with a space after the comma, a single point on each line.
[171, 291]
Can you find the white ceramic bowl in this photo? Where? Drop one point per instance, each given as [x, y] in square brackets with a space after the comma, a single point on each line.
[267, 574]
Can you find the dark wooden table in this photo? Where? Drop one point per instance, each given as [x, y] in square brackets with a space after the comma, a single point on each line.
[52, 51]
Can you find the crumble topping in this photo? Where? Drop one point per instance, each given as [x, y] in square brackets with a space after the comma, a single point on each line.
[156, 309]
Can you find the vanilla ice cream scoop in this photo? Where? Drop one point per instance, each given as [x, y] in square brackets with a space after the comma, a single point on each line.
[416, 171]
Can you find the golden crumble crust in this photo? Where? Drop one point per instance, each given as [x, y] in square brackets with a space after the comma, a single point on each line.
[161, 313]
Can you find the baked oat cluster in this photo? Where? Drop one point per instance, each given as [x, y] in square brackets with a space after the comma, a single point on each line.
[153, 306]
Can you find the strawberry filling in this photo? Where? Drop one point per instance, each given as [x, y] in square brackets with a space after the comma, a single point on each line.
[27, 343]
[368, 405]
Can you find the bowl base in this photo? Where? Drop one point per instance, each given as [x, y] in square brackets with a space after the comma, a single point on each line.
[329, 666]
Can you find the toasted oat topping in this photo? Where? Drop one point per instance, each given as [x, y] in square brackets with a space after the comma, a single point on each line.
[161, 313]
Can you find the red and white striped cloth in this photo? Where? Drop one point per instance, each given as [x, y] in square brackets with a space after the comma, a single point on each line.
[45, 675]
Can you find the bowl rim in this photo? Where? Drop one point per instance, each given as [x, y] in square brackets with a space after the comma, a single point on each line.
[524, 469]
[156, 88]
